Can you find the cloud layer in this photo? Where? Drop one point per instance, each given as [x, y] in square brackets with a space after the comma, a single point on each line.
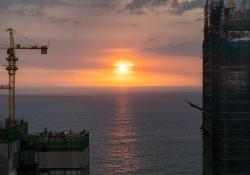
[187, 49]
[88, 36]
[172, 6]
[31, 7]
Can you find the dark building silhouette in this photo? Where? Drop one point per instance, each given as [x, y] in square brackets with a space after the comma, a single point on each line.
[226, 88]
[45, 153]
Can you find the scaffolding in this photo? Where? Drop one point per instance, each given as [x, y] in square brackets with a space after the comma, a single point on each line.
[47, 153]
[226, 88]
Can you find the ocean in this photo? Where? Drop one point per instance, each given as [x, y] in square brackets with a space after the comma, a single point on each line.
[132, 132]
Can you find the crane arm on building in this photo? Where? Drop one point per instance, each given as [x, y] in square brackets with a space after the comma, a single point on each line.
[200, 109]
[4, 87]
[43, 48]
[12, 46]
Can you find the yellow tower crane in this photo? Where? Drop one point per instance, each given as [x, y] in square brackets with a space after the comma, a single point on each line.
[11, 68]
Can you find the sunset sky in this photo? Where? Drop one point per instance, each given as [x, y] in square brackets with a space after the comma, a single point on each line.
[157, 42]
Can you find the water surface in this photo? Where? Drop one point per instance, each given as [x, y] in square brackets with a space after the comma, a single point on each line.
[131, 132]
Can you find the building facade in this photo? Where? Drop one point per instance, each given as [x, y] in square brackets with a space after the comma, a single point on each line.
[226, 88]
[45, 153]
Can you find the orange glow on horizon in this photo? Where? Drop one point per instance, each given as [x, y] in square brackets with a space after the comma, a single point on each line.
[125, 68]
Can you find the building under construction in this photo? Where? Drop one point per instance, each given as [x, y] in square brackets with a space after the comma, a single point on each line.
[226, 88]
[45, 153]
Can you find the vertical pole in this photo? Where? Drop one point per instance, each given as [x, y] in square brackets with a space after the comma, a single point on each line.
[206, 15]
[11, 97]
[11, 68]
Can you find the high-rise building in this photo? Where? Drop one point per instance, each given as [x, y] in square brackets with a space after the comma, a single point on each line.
[226, 88]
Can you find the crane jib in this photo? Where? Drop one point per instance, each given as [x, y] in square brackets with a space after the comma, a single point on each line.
[12, 67]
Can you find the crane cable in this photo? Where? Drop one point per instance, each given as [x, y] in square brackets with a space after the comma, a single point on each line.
[3, 31]
[26, 38]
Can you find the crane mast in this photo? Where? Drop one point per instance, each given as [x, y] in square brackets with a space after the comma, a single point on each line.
[12, 68]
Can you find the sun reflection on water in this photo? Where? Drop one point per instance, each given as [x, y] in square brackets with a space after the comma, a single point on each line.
[122, 153]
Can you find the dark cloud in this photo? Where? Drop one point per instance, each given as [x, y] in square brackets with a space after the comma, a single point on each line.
[199, 19]
[180, 7]
[101, 5]
[64, 21]
[150, 40]
[135, 25]
[5, 4]
[35, 8]
[182, 23]
[188, 48]
[173, 6]
[135, 7]
[139, 4]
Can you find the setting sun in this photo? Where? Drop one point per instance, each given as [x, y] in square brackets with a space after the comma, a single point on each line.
[123, 68]
[123, 72]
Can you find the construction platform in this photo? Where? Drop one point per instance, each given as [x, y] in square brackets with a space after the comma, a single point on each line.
[45, 153]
